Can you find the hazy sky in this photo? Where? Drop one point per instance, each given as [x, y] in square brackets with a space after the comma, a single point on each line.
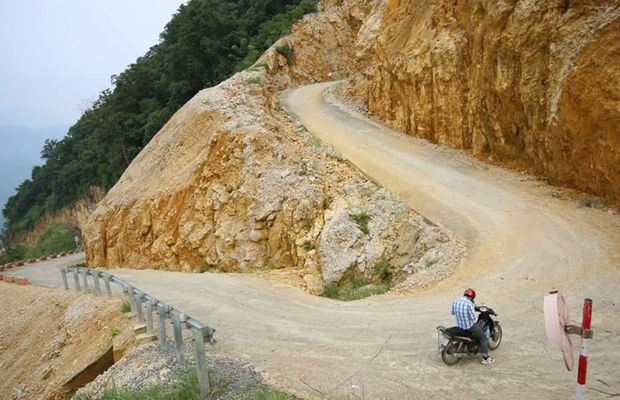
[57, 55]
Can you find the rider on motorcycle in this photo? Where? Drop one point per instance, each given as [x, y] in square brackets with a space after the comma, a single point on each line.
[464, 309]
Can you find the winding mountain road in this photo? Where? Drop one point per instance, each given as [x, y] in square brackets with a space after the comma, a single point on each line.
[521, 242]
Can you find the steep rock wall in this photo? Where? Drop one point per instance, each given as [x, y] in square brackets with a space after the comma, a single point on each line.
[531, 84]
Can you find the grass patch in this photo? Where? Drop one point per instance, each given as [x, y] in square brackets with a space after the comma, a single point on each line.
[331, 290]
[362, 219]
[254, 81]
[125, 307]
[265, 393]
[354, 287]
[357, 281]
[365, 291]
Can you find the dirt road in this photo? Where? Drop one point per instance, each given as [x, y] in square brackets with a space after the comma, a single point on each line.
[521, 242]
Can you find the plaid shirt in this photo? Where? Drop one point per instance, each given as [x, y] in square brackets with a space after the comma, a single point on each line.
[465, 312]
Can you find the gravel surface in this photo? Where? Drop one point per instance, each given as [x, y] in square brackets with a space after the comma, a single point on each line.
[148, 366]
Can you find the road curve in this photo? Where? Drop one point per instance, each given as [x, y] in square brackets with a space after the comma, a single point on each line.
[521, 242]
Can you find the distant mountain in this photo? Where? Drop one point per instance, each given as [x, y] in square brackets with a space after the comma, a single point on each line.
[20, 150]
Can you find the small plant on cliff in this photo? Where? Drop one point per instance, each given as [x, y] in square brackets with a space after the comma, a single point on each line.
[254, 80]
[327, 201]
[308, 245]
[113, 331]
[383, 270]
[430, 261]
[208, 268]
[125, 307]
[587, 202]
[288, 51]
[303, 169]
[362, 220]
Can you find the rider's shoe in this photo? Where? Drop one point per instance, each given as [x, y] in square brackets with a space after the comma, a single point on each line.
[488, 360]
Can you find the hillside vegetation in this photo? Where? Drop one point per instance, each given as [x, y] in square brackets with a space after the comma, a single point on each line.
[205, 42]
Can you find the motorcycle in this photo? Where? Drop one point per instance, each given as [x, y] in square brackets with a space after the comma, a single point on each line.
[455, 343]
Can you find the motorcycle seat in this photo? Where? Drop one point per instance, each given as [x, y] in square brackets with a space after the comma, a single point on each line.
[459, 333]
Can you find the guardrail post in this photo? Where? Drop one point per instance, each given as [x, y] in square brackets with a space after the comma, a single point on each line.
[178, 335]
[161, 329]
[63, 272]
[76, 279]
[149, 317]
[201, 361]
[106, 280]
[85, 280]
[139, 308]
[132, 300]
[96, 280]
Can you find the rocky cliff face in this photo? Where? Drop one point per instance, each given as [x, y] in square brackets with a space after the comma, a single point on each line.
[232, 183]
[531, 84]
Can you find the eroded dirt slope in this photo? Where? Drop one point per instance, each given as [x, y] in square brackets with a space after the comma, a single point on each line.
[48, 336]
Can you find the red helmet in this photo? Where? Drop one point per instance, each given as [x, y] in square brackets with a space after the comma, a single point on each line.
[470, 293]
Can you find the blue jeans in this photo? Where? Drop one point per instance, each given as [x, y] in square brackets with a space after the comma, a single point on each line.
[477, 334]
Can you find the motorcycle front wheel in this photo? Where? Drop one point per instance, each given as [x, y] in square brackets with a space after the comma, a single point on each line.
[449, 355]
[496, 337]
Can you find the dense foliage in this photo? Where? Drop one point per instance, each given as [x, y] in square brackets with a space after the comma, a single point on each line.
[204, 43]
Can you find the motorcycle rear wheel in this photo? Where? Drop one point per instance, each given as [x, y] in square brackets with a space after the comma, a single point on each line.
[449, 354]
[496, 337]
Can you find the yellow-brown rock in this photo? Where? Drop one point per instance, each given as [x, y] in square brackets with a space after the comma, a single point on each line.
[527, 83]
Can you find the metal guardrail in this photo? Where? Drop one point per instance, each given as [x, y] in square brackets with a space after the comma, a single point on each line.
[144, 305]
